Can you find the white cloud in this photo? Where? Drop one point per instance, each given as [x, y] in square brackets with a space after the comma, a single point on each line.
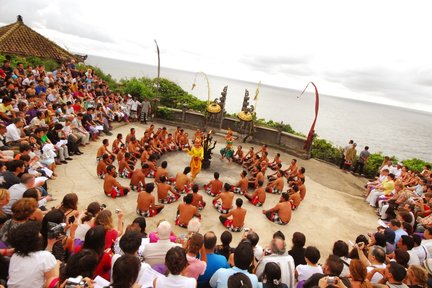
[370, 50]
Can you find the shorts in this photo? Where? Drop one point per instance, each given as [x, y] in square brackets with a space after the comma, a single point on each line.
[207, 189]
[274, 191]
[186, 189]
[137, 188]
[150, 174]
[237, 190]
[171, 198]
[274, 217]
[228, 224]
[219, 208]
[148, 213]
[117, 192]
[255, 201]
[125, 174]
[177, 222]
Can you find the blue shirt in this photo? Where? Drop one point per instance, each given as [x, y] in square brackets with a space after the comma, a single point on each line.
[214, 262]
[40, 89]
[220, 277]
[398, 234]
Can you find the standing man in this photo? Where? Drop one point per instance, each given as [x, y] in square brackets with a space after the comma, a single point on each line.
[145, 110]
[364, 156]
[342, 163]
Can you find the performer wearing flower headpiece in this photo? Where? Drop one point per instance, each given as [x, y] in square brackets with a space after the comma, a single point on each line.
[197, 153]
[228, 151]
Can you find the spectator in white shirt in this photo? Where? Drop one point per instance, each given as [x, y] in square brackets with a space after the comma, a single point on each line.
[14, 132]
[312, 256]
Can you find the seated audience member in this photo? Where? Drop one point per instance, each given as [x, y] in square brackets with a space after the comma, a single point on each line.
[112, 187]
[332, 267]
[271, 277]
[297, 250]
[176, 262]
[29, 263]
[278, 255]
[225, 249]
[304, 272]
[243, 258]
[281, 213]
[146, 202]
[194, 248]
[236, 223]
[185, 211]
[214, 261]
[154, 253]
[340, 249]
[125, 271]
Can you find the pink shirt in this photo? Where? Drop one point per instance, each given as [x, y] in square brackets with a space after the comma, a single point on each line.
[154, 237]
[196, 267]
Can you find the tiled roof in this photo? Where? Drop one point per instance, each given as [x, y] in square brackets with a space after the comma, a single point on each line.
[19, 39]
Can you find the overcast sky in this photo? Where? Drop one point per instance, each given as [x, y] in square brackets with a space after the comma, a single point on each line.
[377, 51]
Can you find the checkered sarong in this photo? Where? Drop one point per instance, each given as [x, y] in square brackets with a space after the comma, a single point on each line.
[218, 206]
[125, 174]
[274, 217]
[171, 198]
[237, 190]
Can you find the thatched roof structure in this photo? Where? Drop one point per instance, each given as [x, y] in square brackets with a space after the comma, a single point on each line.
[19, 39]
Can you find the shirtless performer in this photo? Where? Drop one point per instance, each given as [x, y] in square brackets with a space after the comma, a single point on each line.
[112, 187]
[253, 181]
[214, 187]
[236, 223]
[197, 198]
[116, 143]
[137, 182]
[276, 161]
[121, 153]
[130, 135]
[276, 186]
[183, 182]
[238, 155]
[258, 196]
[226, 197]
[150, 130]
[146, 206]
[102, 165]
[184, 141]
[297, 178]
[272, 177]
[249, 155]
[162, 171]
[263, 150]
[281, 213]
[145, 155]
[151, 171]
[186, 211]
[134, 147]
[170, 144]
[125, 170]
[291, 170]
[302, 189]
[104, 150]
[176, 135]
[242, 186]
[294, 197]
[163, 191]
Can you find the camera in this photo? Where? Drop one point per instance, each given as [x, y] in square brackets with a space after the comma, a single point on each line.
[331, 281]
[77, 281]
[56, 230]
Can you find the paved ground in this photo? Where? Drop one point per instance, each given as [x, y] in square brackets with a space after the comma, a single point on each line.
[333, 208]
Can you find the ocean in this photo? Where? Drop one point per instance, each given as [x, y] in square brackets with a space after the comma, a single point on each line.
[391, 130]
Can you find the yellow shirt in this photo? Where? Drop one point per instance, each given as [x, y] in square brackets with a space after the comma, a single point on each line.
[5, 109]
[388, 186]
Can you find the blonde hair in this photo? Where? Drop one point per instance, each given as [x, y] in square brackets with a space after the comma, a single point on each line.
[419, 273]
[104, 218]
[4, 194]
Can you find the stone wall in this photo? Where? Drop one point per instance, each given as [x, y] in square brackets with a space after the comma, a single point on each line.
[287, 142]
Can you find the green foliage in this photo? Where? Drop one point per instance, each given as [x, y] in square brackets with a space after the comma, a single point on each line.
[164, 113]
[325, 150]
[140, 88]
[172, 95]
[415, 164]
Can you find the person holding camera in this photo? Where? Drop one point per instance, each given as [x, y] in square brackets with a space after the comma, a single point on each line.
[332, 269]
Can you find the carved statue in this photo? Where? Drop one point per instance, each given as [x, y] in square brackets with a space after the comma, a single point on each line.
[208, 145]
